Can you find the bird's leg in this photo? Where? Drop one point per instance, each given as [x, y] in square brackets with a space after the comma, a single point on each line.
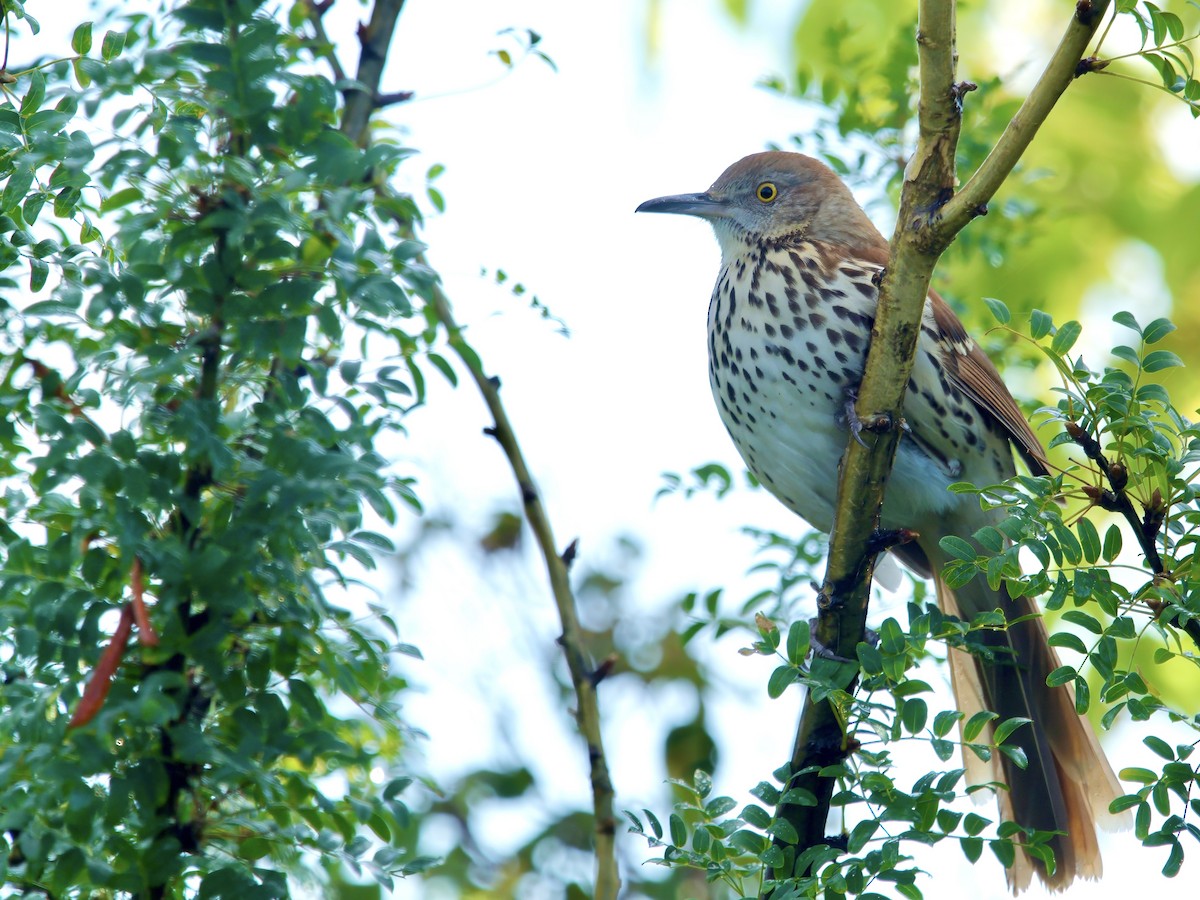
[819, 649]
[877, 423]
[883, 539]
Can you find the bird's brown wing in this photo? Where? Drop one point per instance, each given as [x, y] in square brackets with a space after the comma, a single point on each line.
[970, 370]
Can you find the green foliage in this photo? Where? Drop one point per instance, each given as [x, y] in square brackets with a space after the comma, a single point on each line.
[1132, 626]
[1113, 531]
[228, 317]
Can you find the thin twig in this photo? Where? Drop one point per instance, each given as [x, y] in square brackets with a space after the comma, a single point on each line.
[376, 38]
[1060, 71]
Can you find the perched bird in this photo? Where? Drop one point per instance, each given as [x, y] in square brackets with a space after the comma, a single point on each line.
[788, 327]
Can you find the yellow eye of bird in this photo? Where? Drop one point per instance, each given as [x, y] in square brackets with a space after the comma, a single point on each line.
[767, 192]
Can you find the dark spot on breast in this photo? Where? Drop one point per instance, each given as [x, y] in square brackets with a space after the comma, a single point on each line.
[769, 329]
[786, 331]
[817, 320]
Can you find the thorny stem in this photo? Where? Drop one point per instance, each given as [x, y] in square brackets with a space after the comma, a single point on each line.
[376, 38]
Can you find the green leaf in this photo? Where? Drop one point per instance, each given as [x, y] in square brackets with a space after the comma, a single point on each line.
[1040, 324]
[1068, 640]
[655, 825]
[1127, 319]
[678, 830]
[782, 678]
[1083, 695]
[1112, 543]
[1156, 360]
[976, 724]
[958, 548]
[1079, 617]
[1157, 330]
[1065, 337]
[112, 45]
[861, 834]
[1089, 539]
[869, 658]
[798, 642]
[1007, 727]
[915, 715]
[784, 830]
[1061, 675]
[974, 824]
[81, 40]
[756, 816]
[1160, 747]
[17, 186]
[38, 272]
[999, 311]
[944, 721]
[1139, 775]
[32, 101]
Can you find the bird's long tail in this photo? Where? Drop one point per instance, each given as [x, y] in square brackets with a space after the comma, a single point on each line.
[1068, 783]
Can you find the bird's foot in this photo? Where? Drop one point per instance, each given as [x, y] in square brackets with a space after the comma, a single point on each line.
[886, 538]
[876, 423]
[820, 650]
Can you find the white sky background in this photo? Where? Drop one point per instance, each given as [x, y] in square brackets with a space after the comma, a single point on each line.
[543, 172]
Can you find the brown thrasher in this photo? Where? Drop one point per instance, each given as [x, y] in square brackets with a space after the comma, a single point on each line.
[788, 327]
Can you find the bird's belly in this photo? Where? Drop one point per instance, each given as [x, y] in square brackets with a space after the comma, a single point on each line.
[790, 426]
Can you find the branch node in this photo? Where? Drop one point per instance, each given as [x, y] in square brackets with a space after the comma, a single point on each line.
[382, 100]
[494, 381]
[980, 210]
[1086, 13]
[568, 555]
[1090, 64]
[602, 671]
[528, 493]
[491, 432]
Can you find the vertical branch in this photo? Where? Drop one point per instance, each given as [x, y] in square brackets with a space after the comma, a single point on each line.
[930, 217]
[376, 39]
[842, 602]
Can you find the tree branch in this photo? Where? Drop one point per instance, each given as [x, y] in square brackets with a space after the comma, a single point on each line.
[842, 602]
[376, 38]
[1060, 71]
[930, 217]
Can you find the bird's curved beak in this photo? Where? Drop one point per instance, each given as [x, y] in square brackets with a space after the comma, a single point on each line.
[705, 205]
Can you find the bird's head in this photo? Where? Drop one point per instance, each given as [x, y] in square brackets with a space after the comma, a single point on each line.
[776, 196]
